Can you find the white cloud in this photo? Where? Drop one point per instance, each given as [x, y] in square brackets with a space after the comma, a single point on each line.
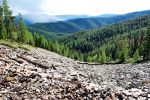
[77, 7]
[26, 6]
[40, 10]
[93, 7]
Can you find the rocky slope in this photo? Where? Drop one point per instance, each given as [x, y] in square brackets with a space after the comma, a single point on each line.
[43, 75]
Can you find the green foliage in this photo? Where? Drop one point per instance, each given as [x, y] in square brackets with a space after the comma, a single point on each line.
[136, 56]
[8, 19]
[146, 55]
[11, 44]
[124, 50]
[42, 42]
[2, 28]
[47, 35]
[87, 41]
[23, 32]
[103, 55]
[31, 40]
[115, 43]
[14, 36]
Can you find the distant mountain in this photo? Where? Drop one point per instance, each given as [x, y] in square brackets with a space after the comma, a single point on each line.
[108, 15]
[41, 18]
[81, 24]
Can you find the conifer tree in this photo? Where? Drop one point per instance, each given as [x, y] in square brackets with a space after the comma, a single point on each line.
[146, 55]
[23, 31]
[50, 46]
[31, 40]
[94, 58]
[117, 53]
[36, 39]
[14, 36]
[8, 20]
[124, 50]
[136, 55]
[89, 59]
[2, 28]
[103, 55]
[42, 42]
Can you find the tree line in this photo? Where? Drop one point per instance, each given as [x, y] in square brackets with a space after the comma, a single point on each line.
[9, 29]
[125, 42]
[13, 30]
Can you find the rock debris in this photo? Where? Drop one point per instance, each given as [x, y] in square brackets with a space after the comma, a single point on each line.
[43, 75]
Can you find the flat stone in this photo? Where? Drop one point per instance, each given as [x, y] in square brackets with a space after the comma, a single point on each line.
[9, 79]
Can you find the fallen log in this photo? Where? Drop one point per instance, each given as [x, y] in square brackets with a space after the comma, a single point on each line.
[38, 64]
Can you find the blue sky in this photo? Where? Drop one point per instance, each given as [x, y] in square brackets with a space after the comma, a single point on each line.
[46, 10]
[77, 7]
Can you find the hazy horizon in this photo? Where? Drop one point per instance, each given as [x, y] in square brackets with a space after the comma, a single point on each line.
[41, 9]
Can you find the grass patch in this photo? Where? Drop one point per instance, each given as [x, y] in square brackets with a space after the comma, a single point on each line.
[12, 44]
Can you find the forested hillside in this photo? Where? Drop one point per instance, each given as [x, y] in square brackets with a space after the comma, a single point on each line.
[81, 24]
[47, 35]
[114, 43]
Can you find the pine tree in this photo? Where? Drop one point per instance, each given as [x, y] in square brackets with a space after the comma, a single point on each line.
[46, 44]
[124, 50]
[42, 41]
[14, 36]
[31, 40]
[36, 39]
[23, 31]
[50, 46]
[89, 59]
[117, 53]
[136, 56]
[94, 58]
[99, 57]
[56, 46]
[8, 23]
[2, 28]
[146, 55]
[103, 55]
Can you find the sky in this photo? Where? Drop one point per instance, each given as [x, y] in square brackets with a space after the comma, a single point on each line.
[77, 7]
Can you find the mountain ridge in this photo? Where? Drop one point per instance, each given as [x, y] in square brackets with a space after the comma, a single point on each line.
[75, 25]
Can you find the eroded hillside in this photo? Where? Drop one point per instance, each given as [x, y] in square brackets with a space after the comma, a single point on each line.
[43, 75]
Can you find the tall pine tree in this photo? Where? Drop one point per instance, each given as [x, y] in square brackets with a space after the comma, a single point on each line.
[23, 33]
[136, 56]
[146, 55]
[8, 23]
[125, 50]
[2, 28]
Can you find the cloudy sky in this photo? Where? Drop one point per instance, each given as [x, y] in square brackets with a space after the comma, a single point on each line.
[77, 7]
